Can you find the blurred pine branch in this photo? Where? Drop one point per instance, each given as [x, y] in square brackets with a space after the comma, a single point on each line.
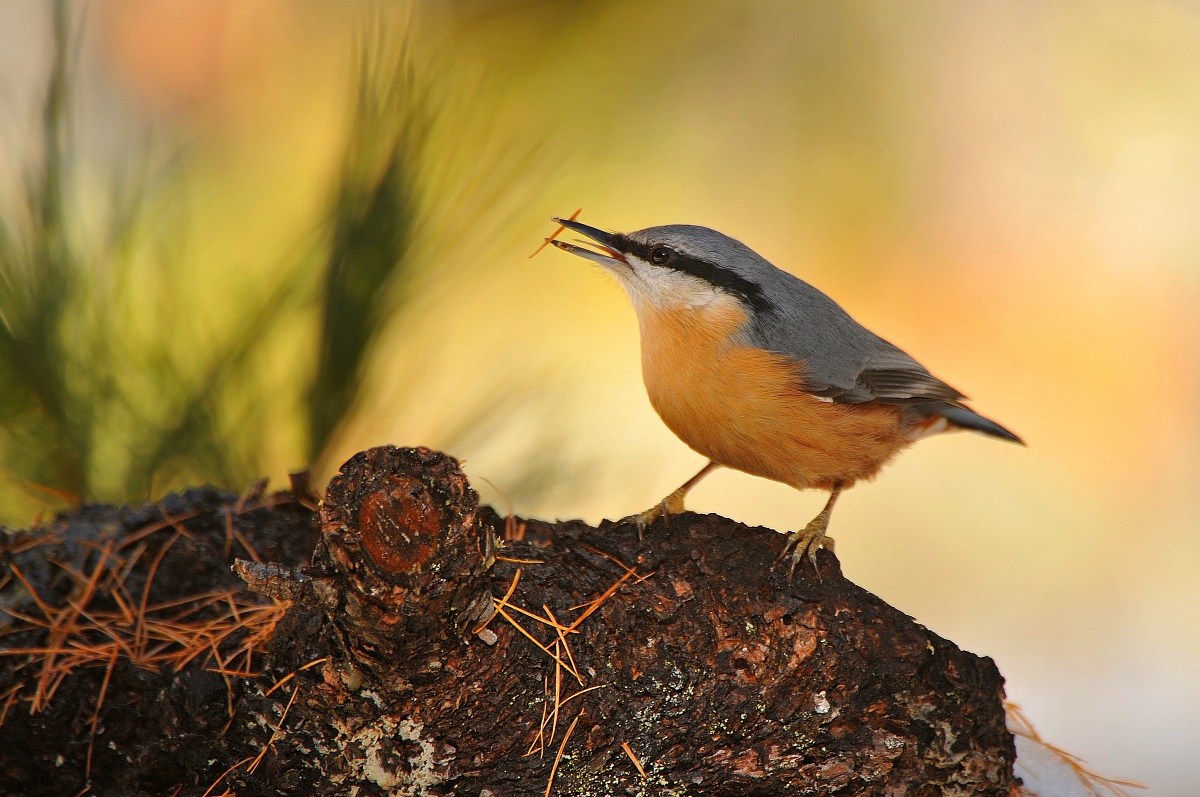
[92, 411]
[95, 411]
[40, 272]
[115, 387]
[372, 230]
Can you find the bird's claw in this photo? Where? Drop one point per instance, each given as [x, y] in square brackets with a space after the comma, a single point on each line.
[643, 519]
[671, 505]
[805, 542]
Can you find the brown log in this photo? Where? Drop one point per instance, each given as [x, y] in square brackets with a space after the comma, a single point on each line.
[679, 666]
[712, 672]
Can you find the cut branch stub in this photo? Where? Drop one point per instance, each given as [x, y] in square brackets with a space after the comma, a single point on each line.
[400, 529]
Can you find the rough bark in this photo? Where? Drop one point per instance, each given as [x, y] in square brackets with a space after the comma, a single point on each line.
[684, 656]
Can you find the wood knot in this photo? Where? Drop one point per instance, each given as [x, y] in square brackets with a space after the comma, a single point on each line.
[401, 525]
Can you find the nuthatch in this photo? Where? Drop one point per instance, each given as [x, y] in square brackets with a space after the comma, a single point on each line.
[759, 371]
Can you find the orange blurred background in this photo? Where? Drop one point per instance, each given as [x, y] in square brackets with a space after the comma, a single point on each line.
[1008, 191]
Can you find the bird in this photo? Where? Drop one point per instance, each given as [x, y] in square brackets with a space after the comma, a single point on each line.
[758, 371]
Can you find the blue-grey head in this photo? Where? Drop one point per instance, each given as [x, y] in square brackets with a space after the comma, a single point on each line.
[679, 265]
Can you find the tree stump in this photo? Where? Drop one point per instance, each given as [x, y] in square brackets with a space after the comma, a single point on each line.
[435, 648]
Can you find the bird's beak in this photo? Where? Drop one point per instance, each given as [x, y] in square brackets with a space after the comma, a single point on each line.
[608, 258]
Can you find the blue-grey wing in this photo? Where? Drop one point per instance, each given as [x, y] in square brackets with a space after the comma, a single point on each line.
[888, 375]
[841, 359]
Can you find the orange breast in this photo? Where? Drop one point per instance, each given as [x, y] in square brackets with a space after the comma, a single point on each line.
[745, 408]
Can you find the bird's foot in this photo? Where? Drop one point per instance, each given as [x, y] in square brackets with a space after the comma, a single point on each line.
[805, 542]
[671, 505]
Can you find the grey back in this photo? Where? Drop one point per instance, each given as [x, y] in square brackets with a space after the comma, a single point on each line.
[843, 360]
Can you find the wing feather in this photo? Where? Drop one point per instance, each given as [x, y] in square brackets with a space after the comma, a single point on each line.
[887, 375]
[841, 359]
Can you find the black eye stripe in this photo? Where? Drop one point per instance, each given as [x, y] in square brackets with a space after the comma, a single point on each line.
[726, 279]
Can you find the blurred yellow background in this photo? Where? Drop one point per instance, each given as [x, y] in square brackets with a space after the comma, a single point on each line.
[1009, 191]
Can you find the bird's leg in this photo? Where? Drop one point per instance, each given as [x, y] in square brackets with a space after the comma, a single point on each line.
[811, 538]
[672, 504]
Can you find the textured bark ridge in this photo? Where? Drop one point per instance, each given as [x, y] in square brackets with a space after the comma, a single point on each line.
[468, 654]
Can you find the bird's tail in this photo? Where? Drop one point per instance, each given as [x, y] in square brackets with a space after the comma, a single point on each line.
[964, 418]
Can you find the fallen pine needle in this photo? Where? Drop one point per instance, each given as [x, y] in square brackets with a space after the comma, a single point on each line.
[539, 741]
[514, 529]
[46, 610]
[574, 695]
[278, 730]
[562, 637]
[145, 531]
[557, 758]
[112, 662]
[151, 636]
[10, 697]
[535, 641]
[606, 555]
[596, 604]
[512, 587]
[1095, 784]
[633, 758]
[208, 791]
[502, 602]
[551, 623]
[557, 695]
[292, 674]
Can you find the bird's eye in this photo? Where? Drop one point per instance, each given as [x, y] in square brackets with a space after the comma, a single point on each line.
[660, 255]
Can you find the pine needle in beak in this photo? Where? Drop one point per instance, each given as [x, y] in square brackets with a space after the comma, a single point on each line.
[557, 233]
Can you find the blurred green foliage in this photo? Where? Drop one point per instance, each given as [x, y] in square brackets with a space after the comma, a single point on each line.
[371, 218]
[48, 436]
[100, 400]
